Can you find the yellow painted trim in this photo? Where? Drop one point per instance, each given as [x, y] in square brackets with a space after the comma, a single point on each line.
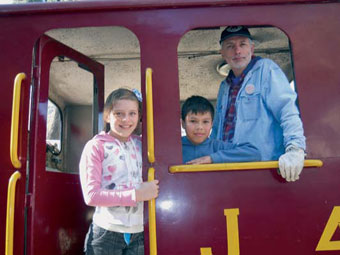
[149, 116]
[206, 251]
[15, 120]
[236, 166]
[10, 212]
[152, 217]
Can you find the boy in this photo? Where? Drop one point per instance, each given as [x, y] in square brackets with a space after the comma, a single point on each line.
[197, 148]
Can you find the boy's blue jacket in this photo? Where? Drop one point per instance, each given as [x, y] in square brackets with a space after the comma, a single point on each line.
[219, 151]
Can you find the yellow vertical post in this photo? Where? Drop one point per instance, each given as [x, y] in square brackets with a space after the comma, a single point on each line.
[149, 116]
[151, 158]
[152, 217]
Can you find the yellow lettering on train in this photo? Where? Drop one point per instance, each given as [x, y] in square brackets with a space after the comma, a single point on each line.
[206, 251]
[232, 231]
[325, 243]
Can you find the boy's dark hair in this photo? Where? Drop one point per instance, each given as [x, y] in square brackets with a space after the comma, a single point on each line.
[197, 104]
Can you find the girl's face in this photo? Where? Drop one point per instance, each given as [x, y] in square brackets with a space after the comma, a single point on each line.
[123, 119]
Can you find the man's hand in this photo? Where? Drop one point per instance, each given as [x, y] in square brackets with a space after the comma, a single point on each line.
[291, 163]
[147, 191]
[201, 160]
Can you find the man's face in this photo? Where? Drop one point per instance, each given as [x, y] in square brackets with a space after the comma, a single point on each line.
[197, 126]
[237, 52]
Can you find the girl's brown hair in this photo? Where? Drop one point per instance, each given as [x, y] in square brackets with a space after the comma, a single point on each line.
[116, 95]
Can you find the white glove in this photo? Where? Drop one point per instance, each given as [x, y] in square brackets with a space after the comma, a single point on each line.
[147, 191]
[291, 163]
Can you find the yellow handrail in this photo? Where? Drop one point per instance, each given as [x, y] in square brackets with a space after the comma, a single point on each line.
[236, 166]
[15, 120]
[10, 212]
[151, 158]
[149, 116]
[152, 217]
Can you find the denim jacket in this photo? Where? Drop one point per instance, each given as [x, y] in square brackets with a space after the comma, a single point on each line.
[266, 112]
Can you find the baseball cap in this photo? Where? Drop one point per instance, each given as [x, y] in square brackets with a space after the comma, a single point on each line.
[231, 31]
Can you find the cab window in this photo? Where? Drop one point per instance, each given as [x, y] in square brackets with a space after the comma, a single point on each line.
[202, 69]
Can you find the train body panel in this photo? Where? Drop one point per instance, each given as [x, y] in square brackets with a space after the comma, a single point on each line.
[270, 215]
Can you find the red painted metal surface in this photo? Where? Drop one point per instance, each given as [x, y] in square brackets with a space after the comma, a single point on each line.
[62, 198]
[275, 217]
[64, 7]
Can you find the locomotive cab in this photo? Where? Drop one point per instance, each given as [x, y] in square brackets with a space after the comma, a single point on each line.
[210, 209]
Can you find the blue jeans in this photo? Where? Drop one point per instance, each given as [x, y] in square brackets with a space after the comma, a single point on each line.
[100, 241]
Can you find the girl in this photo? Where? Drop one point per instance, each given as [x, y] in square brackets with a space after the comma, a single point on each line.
[111, 180]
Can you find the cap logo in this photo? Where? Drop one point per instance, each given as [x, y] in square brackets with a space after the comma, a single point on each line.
[234, 29]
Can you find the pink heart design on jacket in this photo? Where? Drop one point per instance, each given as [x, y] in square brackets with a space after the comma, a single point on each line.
[111, 169]
[107, 178]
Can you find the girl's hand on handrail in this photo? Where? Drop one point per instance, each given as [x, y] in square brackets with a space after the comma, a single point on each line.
[147, 191]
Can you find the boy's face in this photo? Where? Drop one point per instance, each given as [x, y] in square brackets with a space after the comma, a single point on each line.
[197, 126]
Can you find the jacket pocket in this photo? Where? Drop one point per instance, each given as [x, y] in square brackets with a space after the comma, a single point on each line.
[250, 107]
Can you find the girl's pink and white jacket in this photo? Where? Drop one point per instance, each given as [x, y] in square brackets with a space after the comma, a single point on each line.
[110, 170]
